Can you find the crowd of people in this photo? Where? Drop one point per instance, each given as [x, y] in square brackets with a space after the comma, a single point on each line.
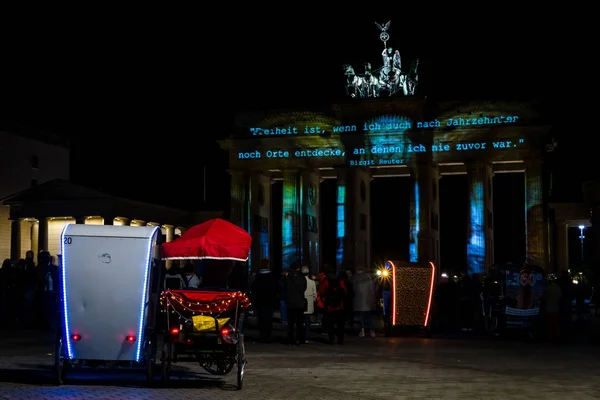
[29, 292]
[331, 300]
[328, 302]
[462, 304]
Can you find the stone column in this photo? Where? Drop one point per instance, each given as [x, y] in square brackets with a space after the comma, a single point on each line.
[35, 232]
[15, 239]
[108, 220]
[291, 229]
[480, 218]
[169, 234]
[562, 246]
[353, 219]
[239, 199]
[42, 233]
[536, 228]
[260, 221]
[424, 239]
[311, 224]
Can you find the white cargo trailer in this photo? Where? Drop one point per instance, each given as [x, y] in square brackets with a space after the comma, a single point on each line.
[105, 297]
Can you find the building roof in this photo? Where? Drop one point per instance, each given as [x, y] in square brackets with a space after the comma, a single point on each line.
[60, 191]
[33, 133]
[55, 190]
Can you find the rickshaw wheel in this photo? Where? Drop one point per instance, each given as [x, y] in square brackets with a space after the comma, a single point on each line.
[60, 365]
[150, 358]
[165, 360]
[241, 362]
[221, 368]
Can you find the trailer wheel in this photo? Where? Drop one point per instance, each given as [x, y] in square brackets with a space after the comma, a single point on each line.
[150, 347]
[165, 360]
[241, 362]
[60, 365]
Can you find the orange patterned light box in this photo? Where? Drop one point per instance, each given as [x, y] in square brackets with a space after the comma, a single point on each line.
[412, 292]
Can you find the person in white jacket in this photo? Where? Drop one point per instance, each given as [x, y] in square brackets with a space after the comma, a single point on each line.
[311, 297]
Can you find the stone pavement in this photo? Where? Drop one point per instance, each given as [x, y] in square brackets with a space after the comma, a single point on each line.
[363, 368]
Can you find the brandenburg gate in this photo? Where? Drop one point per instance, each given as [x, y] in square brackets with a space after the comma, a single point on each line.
[359, 141]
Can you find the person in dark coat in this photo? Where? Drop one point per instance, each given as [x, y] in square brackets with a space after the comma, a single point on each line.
[295, 286]
[263, 295]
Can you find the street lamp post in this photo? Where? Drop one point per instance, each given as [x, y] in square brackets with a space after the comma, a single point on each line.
[581, 237]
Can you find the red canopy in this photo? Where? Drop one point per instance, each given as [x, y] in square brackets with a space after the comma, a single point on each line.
[216, 239]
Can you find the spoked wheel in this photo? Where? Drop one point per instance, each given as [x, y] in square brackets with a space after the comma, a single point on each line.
[221, 367]
[241, 362]
[60, 365]
[150, 355]
[165, 360]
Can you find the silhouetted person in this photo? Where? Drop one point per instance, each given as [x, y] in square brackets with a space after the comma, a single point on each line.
[263, 295]
[566, 303]
[295, 286]
[333, 290]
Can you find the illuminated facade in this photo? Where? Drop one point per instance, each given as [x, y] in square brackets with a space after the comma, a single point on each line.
[38, 215]
[360, 141]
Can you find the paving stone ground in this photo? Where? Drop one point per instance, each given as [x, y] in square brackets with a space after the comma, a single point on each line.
[363, 368]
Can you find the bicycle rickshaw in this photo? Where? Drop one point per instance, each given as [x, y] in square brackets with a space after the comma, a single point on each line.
[205, 325]
[109, 288]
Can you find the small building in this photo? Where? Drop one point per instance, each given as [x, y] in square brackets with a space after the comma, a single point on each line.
[38, 215]
[28, 157]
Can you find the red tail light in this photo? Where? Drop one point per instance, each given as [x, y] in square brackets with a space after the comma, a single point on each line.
[75, 337]
[228, 335]
[174, 331]
[130, 339]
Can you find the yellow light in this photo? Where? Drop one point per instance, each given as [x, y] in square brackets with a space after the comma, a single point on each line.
[385, 272]
[379, 273]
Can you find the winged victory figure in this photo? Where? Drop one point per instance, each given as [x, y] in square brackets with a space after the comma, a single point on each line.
[383, 28]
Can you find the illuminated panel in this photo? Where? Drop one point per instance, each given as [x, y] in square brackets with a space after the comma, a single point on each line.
[145, 290]
[413, 246]
[290, 221]
[430, 294]
[412, 286]
[476, 227]
[66, 333]
[393, 293]
[340, 224]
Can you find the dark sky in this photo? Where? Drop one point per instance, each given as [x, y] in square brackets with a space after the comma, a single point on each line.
[145, 97]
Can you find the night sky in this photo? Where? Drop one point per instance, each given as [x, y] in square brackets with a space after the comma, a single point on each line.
[144, 98]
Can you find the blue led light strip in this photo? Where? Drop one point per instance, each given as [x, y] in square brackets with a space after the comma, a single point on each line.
[67, 336]
[144, 297]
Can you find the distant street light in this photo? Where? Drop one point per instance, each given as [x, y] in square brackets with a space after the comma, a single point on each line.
[581, 237]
